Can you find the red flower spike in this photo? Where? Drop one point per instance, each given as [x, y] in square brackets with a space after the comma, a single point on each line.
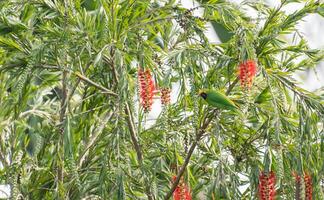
[165, 96]
[308, 186]
[182, 192]
[146, 89]
[297, 186]
[247, 71]
[267, 184]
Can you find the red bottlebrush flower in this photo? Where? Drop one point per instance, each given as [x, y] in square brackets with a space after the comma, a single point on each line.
[267, 184]
[165, 96]
[182, 192]
[247, 71]
[308, 187]
[146, 89]
[298, 186]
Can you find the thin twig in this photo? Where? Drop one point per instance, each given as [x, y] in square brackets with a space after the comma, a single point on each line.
[84, 79]
[87, 80]
[93, 138]
[131, 124]
[230, 88]
[133, 135]
[200, 133]
[128, 112]
[274, 14]
[60, 147]
[78, 82]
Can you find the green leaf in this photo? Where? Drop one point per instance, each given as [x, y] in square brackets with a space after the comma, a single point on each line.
[320, 10]
[224, 34]
[34, 143]
[10, 44]
[264, 96]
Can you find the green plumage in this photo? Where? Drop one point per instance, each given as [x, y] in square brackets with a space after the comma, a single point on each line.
[218, 100]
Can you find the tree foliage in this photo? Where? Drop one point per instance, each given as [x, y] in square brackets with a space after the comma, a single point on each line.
[72, 126]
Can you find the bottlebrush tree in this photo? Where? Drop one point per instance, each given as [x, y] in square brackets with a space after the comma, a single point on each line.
[81, 87]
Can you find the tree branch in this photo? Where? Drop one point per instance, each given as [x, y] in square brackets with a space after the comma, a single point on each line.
[127, 111]
[102, 88]
[133, 135]
[93, 138]
[84, 79]
[230, 88]
[130, 122]
[78, 81]
[200, 133]
[60, 147]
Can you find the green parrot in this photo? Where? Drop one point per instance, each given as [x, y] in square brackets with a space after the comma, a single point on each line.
[218, 100]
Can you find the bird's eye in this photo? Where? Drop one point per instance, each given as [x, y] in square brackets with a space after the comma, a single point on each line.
[203, 95]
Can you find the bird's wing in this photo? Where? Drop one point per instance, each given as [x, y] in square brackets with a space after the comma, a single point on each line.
[221, 99]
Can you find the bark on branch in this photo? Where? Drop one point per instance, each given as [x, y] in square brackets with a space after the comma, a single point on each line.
[200, 133]
[102, 88]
